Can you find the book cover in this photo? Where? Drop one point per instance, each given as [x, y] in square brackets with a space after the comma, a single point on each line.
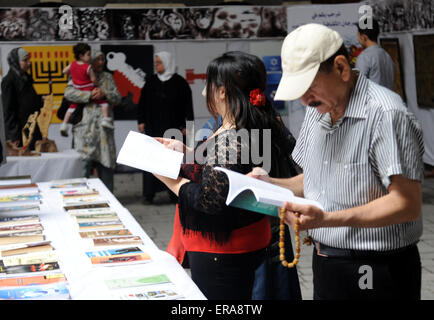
[32, 280]
[15, 180]
[74, 201]
[99, 217]
[17, 200]
[79, 193]
[28, 248]
[76, 183]
[20, 228]
[105, 233]
[22, 207]
[259, 196]
[89, 211]
[139, 281]
[7, 221]
[118, 256]
[87, 206]
[46, 291]
[19, 189]
[145, 153]
[29, 268]
[25, 237]
[30, 259]
[20, 198]
[165, 293]
[100, 225]
[117, 241]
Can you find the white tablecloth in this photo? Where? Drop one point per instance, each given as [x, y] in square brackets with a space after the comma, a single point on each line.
[86, 281]
[46, 167]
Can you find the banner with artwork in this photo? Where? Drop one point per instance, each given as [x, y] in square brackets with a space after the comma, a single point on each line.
[129, 65]
[97, 24]
[403, 15]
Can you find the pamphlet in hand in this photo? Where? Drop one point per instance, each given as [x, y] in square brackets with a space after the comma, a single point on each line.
[256, 195]
[145, 153]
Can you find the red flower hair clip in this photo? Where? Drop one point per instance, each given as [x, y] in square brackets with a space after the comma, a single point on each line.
[257, 98]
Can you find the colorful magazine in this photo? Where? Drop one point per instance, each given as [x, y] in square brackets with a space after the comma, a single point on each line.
[118, 256]
[57, 290]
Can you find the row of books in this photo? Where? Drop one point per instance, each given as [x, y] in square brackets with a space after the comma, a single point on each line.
[18, 193]
[109, 242]
[29, 264]
[99, 225]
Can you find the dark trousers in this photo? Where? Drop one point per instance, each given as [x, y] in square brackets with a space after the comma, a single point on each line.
[105, 174]
[395, 276]
[225, 276]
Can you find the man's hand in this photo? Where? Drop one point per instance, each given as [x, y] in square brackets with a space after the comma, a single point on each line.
[259, 173]
[141, 127]
[311, 217]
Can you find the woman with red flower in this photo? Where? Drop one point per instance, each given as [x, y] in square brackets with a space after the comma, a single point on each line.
[225, 245]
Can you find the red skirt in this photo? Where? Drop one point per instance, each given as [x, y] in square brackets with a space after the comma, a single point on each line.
[250, 238]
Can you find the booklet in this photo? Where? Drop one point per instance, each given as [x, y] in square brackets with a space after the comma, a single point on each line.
[145, 153]
[256, 195]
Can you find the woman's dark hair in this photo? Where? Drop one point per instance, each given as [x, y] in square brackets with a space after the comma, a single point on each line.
[79, 49]
[240, 73]
[327, 65]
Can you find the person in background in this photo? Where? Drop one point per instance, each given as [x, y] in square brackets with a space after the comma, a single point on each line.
[95, 143]
[83, 78]
[19, 98]
[225, 245]
[374, 62]
[166, 102]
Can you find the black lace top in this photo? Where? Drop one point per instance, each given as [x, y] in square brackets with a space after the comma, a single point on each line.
[202, 201]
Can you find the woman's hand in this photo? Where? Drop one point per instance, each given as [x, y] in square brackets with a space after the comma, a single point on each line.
[97, 94]
[173, 144]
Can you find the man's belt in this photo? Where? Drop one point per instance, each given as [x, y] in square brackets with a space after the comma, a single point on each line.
[327, 251]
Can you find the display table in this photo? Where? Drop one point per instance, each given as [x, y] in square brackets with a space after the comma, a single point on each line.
[87, 281]
[46, 167]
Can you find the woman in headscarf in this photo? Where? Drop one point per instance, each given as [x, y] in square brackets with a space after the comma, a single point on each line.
[19, 98]
[165, 103]
[95, 143]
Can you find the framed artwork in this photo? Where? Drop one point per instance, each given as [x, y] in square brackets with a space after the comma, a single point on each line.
[424, 69]
[392, 47]
[129, 65]
[47, 66]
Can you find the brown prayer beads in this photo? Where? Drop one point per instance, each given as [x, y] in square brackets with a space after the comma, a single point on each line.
[282, 239]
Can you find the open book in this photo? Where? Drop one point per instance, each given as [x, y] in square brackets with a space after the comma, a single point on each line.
[256, 195]
[145, 153]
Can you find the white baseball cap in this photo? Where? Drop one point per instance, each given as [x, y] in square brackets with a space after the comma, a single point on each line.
[303, 50]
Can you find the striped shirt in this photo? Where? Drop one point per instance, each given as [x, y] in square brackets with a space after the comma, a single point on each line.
[349, 164]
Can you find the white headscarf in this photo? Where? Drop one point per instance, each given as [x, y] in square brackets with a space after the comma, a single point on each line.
[168, 63]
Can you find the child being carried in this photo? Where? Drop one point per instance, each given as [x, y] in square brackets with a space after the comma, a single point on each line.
[83, 78]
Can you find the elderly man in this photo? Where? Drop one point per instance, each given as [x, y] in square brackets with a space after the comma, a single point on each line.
[95, 143]
[361, 155]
